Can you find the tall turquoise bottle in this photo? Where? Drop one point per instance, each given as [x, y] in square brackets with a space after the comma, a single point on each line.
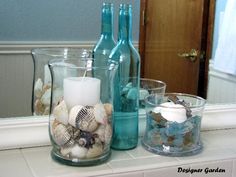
[126, 104]
[104, 45]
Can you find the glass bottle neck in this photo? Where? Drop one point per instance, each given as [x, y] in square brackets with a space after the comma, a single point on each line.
[125, 23]
[107, 20]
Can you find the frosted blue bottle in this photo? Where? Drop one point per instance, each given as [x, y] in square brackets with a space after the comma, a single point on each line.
[126, 97]
[104, 45]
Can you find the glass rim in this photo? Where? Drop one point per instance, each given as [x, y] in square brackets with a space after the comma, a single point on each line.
[46, 51]
[107, 4]
[155, 81]
[57, 62]
[203, 101]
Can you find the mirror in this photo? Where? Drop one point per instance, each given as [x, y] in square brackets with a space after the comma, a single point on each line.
[16, 64]
[222, 76]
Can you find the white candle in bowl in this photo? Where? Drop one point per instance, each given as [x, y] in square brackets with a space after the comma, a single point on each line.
[83, 91]
[173, 112]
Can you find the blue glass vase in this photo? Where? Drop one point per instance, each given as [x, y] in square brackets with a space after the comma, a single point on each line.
[105, 44]
[126, 97]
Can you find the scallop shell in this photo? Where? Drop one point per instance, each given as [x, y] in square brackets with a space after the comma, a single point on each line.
[108, 108]
[100, 114]
[38, 88]
[61, 134]
[83, 118]
[78, 151]
[96, 150]
[61, 113]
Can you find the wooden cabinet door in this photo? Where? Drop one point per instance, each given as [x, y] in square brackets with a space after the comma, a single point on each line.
[173, 29]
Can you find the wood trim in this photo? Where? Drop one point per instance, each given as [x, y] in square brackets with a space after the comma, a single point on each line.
[142, 34]
[210, 31]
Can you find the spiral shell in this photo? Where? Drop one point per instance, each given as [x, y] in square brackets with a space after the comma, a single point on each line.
[100, 114]
[60, 112]
[82, 117]
[61, 134]
[86, 139]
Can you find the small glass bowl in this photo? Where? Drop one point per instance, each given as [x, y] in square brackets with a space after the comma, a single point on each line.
[173, 124]
[150, 86]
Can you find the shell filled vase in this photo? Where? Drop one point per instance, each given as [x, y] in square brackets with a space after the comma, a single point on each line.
[80, 125]
[41, 94]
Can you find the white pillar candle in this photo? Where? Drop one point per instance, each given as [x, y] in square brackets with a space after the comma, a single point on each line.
[83, 91]
[172, 112]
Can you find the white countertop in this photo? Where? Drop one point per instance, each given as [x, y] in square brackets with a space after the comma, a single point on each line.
[219, 151]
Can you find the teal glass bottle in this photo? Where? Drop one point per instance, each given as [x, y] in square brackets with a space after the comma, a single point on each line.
[105, 44]
[126, 97]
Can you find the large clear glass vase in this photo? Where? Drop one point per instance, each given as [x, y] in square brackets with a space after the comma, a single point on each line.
[80, 114]
[42, 79]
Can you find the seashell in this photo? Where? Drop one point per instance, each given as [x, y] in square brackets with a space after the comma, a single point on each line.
[143, 93]
[61, 113]
[46, 97]
[55, 123]
[100, 132]
[83, 118]
[108, 108]
[76, 133]
[61, 134]
[78, 151]
[38, 107]
[86, 139]
[65, 151]
[46, 87]
[108, 133]
[57, 95]
[100, 113]
[38, 88]
[70, 143]
[96, 150]
[82, 142]
[46, 110]
[133, 94]
[73, 115]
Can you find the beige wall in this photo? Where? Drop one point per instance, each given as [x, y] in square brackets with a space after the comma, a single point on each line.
[16, 73]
